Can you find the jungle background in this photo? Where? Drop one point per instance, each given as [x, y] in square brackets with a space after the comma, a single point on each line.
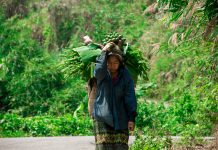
[178, 39]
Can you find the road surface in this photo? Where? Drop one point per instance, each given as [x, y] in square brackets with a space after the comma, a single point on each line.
[50, 143]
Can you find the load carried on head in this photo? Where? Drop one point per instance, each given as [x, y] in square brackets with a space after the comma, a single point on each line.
[79, 60]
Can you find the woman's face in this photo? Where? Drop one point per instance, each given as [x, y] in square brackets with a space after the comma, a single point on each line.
[113, 64]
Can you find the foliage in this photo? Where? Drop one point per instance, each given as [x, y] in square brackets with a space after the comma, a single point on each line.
[209, 7]
[63, 19]
[187, 117]
[36, 99]
[196, 18]
[68, 98]
[151, 140]
[78, 61]
[34, 85]
[14, 125]
[29, 75]
[14, 7]
[183, 77]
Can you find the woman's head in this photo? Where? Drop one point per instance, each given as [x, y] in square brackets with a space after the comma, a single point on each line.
[113, 63]
[114, 57]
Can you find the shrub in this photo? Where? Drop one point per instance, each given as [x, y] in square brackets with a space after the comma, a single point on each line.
[12, 124]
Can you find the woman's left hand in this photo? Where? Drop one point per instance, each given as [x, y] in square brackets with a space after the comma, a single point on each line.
[131, 126]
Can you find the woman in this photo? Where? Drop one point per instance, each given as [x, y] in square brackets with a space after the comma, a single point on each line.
[115, 104]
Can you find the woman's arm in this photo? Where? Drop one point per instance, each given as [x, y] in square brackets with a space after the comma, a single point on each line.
[130, 98]
[101, 66]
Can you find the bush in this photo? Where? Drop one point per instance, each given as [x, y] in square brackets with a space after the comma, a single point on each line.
[151, 141]
[29, 90]
[186, 116]
[12, 124]
[177, 118]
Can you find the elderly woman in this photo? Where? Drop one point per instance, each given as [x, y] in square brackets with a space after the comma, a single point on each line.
[115, 103]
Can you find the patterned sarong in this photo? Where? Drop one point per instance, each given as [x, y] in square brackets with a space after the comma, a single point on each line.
[106, 138]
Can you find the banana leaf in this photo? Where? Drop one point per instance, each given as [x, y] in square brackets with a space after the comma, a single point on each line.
[88, 54]
[77, 61]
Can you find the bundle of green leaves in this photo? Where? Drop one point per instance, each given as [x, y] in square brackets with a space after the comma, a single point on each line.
[78, 61]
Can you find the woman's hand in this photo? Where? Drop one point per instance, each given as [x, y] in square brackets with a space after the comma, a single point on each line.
[87, 40]
[131, 126]
[108, 46]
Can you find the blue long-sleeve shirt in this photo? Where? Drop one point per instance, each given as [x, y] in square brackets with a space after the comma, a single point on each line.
[115, 104]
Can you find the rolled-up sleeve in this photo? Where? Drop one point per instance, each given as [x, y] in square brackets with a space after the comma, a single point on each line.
[101, 66]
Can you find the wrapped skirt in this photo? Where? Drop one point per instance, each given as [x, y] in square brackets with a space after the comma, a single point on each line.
[106, 138]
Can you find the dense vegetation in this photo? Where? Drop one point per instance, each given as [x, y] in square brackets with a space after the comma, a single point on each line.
[179, 98]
